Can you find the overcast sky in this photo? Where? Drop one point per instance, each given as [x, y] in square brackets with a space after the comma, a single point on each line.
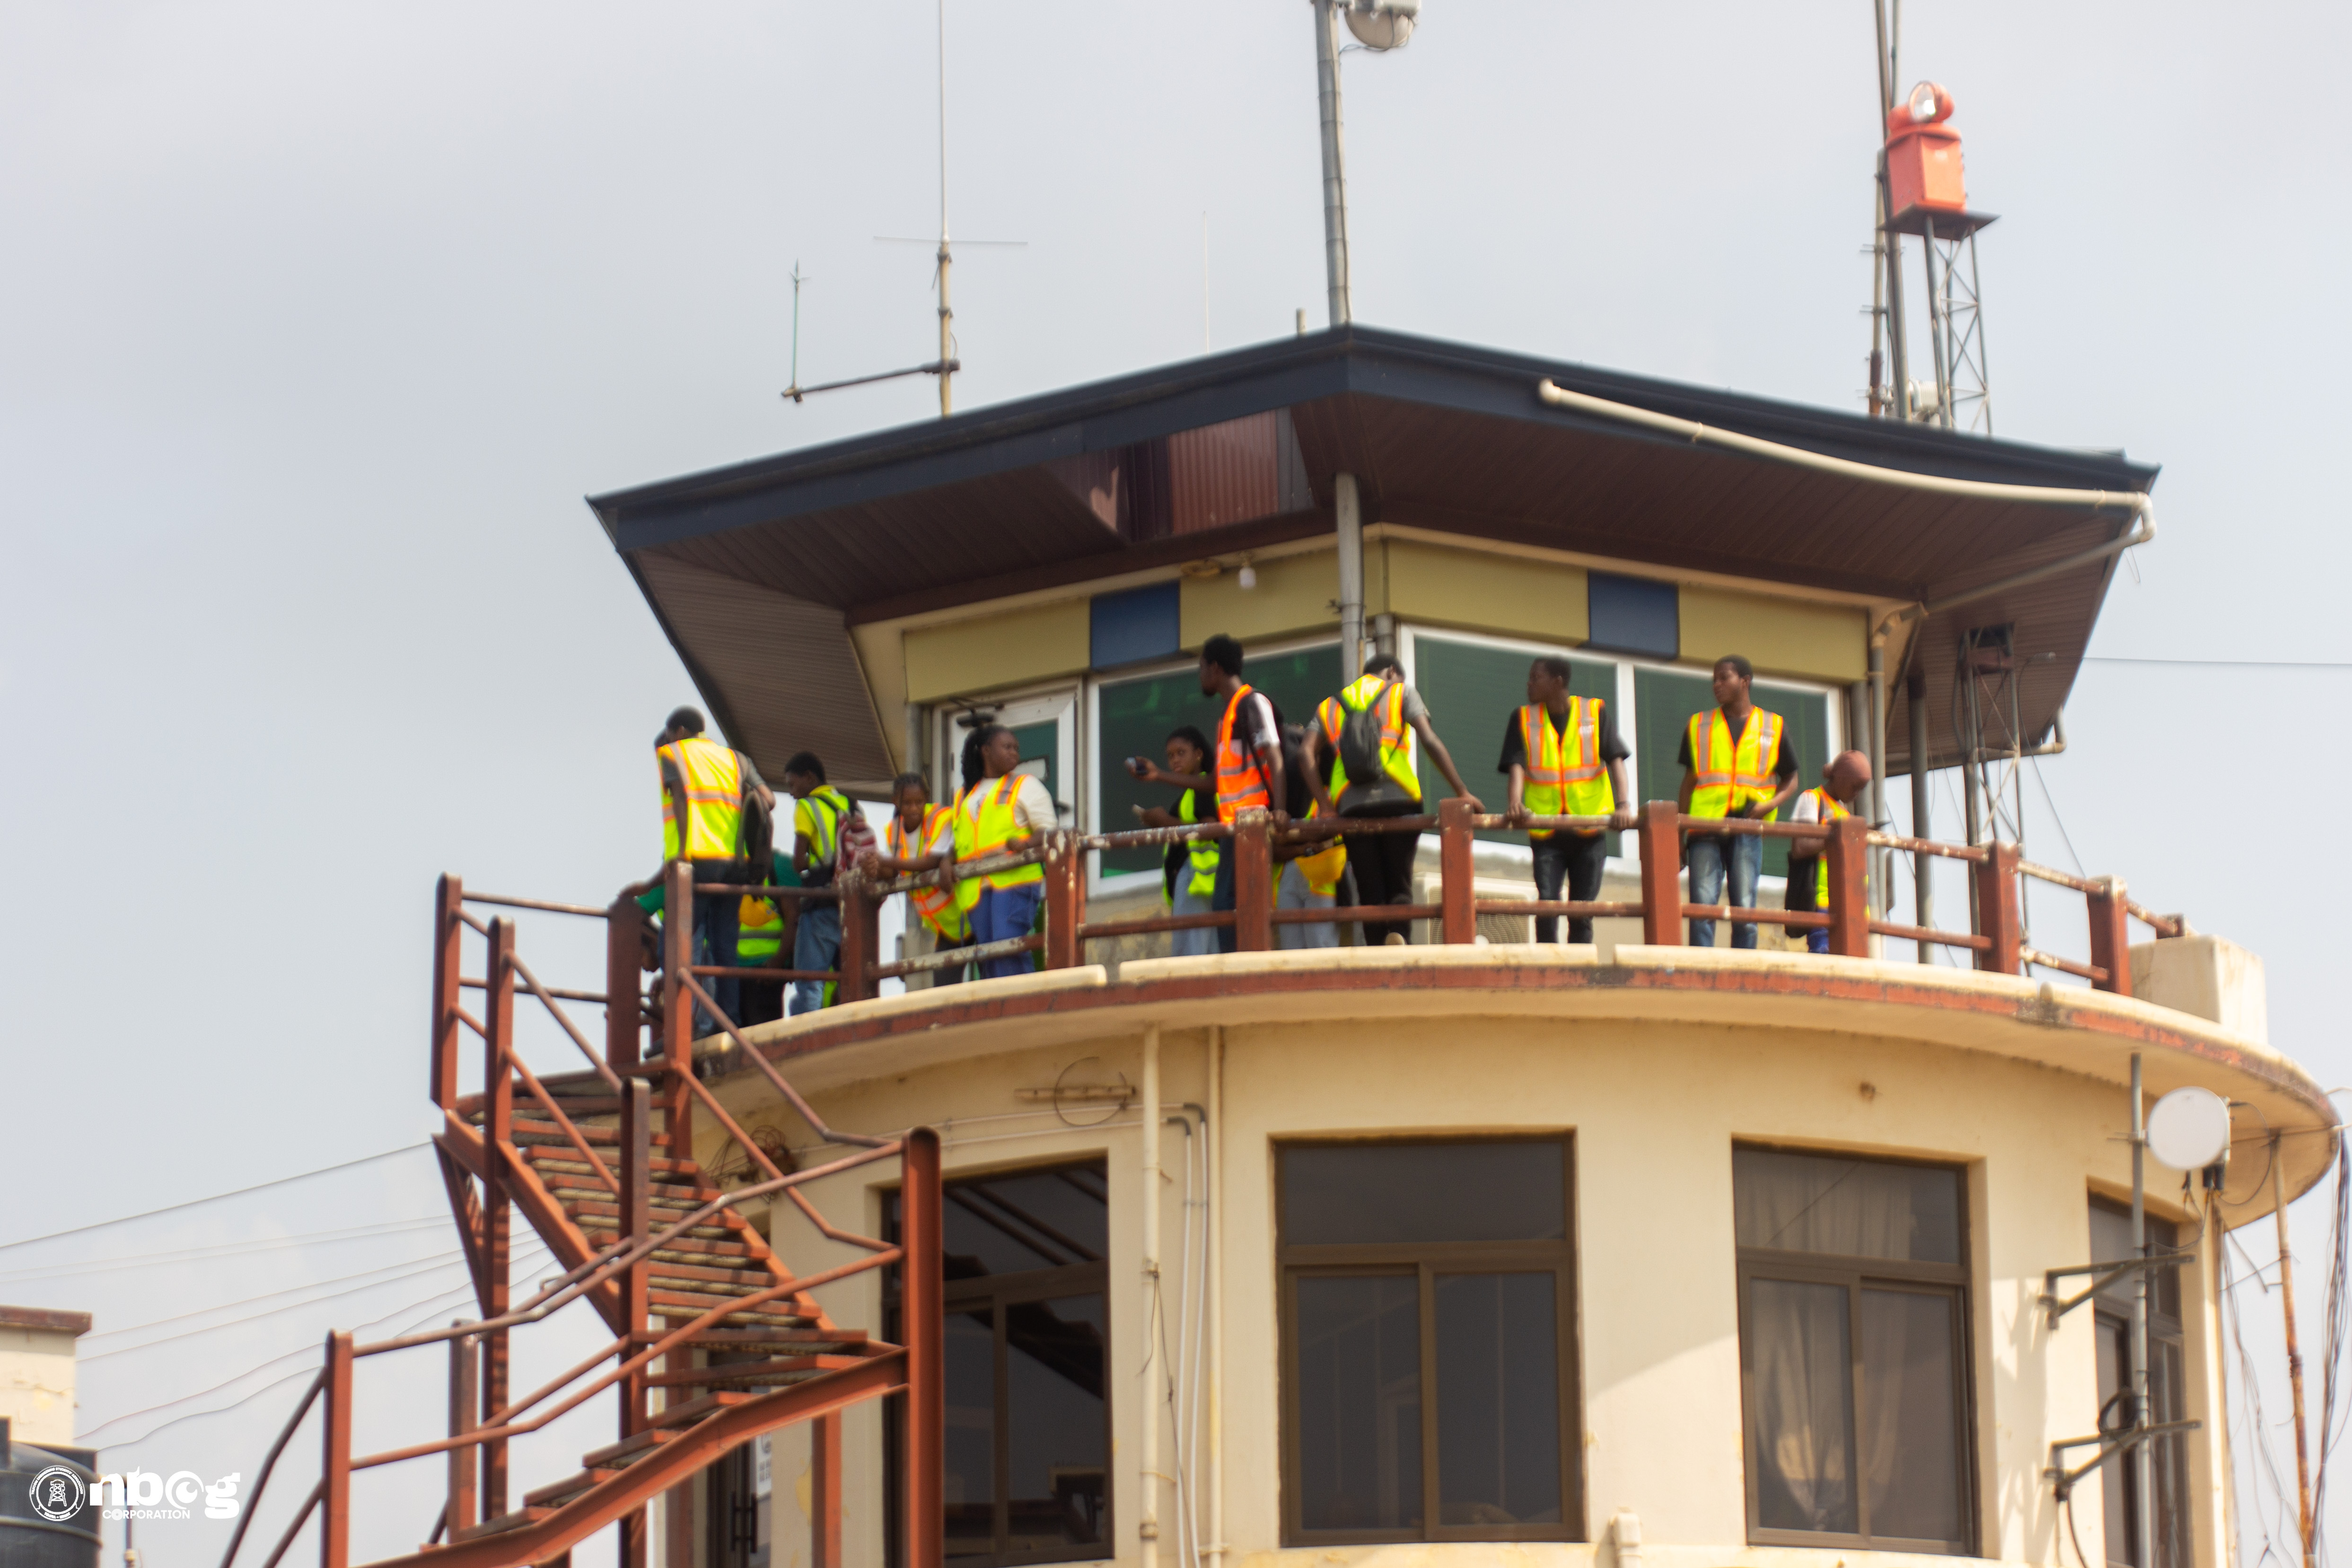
[317, 321]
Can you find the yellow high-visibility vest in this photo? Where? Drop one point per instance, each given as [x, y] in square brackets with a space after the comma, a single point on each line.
[829, 806]
[762, 937]
[984, 826]
[1565, 777]
[1201, 855]
[937, 905]
[713, 779]
[1323, 869]
[1397, 737]
[1830, 811]
[1732, 774]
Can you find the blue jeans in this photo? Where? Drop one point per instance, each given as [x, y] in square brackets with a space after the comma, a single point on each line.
[816, 945]
[1708, 855]
[1220, 899]
[1003, 913]
[718, 920]
[1805, 893]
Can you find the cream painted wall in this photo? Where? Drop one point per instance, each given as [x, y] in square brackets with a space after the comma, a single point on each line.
[36, 1384]
[957, 658]
[1294, 593]
[1655, 1107]
[1479, 591]
[1779, 636]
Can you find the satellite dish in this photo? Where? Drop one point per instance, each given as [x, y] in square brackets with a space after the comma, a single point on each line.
[1381, 23]
[2189, 1129]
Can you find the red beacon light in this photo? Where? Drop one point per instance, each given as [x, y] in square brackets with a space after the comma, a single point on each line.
[1923, 155]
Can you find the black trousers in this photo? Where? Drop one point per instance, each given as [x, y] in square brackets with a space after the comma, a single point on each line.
[1578, 860]
[1384, 866]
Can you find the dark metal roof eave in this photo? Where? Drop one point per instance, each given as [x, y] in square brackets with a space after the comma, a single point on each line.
[1365, 361]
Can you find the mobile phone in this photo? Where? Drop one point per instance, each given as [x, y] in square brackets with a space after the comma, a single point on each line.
[1137, 766]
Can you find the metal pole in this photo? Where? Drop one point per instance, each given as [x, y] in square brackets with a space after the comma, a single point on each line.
[947, 314]
[1147, 1524]
[2143, 1471]
[1335, 183]
[2294, 1356]
[1940, 326]
[1877, 740]
[1214, 1262]
[1893, 246]
[1923, 894]
[1349, 511]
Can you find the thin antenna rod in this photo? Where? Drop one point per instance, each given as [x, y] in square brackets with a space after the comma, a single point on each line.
[797, 281]
[947, 313]
[1204, 283]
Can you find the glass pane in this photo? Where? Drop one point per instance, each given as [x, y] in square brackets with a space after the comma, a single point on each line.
[2111, 1243]
[2114, 1478]
[1027, 1219]
[1800, 1425]
[1848, 1208]
[1472, 691]
[2169, 1456]
[1137, 715]
[1379, 1193]
[1054, 1394]
[970, 1478]
[1497, 1399]
[1360, 1403]
[1910, 1426]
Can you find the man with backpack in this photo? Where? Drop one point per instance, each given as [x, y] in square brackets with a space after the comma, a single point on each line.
[1367, 734]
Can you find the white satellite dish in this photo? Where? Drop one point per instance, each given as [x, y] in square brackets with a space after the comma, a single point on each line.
[1381, 23]
[2189, 1129]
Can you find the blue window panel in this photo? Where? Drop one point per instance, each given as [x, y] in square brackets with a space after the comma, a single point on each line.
[1133, 626]
[1634, 615]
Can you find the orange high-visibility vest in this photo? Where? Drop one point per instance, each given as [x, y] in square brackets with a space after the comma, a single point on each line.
[937, 905]
[1241, 781]
[713, 777]
[1732, 774]
[1565, 777]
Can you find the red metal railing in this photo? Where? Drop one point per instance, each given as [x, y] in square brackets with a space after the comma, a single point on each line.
[653, 1101]
[1996, 940]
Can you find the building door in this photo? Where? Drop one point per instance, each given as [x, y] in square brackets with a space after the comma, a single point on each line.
[1047, 727]
[739, 1505]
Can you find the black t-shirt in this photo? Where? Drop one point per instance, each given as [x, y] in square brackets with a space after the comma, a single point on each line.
[1515, 744]
[1784, 767]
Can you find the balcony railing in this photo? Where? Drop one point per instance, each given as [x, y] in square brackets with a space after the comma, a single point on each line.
[1996, 940]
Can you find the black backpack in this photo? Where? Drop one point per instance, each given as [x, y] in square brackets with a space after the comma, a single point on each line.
[1360, 754]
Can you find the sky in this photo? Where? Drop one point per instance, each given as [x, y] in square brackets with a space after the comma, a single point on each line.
[318, 321]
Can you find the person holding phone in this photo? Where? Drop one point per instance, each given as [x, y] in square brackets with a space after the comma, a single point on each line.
[1188, 872]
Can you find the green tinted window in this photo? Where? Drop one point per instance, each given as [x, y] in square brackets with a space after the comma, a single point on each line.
[1137, 715]
[1472, 691]
[1665, 699]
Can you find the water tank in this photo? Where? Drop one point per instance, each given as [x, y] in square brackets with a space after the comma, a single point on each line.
[48, 1511]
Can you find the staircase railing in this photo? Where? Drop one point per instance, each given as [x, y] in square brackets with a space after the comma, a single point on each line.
[483, 1415]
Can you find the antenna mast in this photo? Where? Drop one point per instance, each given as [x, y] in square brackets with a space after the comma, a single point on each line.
[947, 314]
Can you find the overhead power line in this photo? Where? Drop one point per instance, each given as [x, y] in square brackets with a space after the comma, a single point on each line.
[303, 1239]
[195, 1202]
[412, 1265]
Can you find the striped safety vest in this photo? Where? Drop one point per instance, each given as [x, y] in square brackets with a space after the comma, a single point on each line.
[937, 905]
[1732, 773]
[1200, 875]
[1240, 780]
[713, 779]
[984, 826]
[760, 939]
[828, 806]
[1397, 737]
[1565, 777]
[1830, 811]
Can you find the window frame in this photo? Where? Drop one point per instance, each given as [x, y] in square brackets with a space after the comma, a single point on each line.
[1951, 1280]
[1423, 1261]
[996, 1292]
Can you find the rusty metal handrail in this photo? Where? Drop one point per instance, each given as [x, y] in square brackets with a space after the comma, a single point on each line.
[612, 1080]
[284, 1436]
[807, 1112]
[544, 905]
[294, 1527]
[563, 1122]
[2034, 955]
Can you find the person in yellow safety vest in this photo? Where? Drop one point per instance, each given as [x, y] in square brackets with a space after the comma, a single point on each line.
[759, 944]
[1565, 758]
[1004, 812]
[1736, 762]
[1188, 871]
[1842, 782]
[1310, 868]
[822, 818]
[1382, 861]
[705, 788]
[920, 837]
[1246, 768]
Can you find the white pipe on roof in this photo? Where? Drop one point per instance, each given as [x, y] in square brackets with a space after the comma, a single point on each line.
[2141, 504]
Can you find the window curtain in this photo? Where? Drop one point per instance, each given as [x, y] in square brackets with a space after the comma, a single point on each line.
[1801, 1414]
